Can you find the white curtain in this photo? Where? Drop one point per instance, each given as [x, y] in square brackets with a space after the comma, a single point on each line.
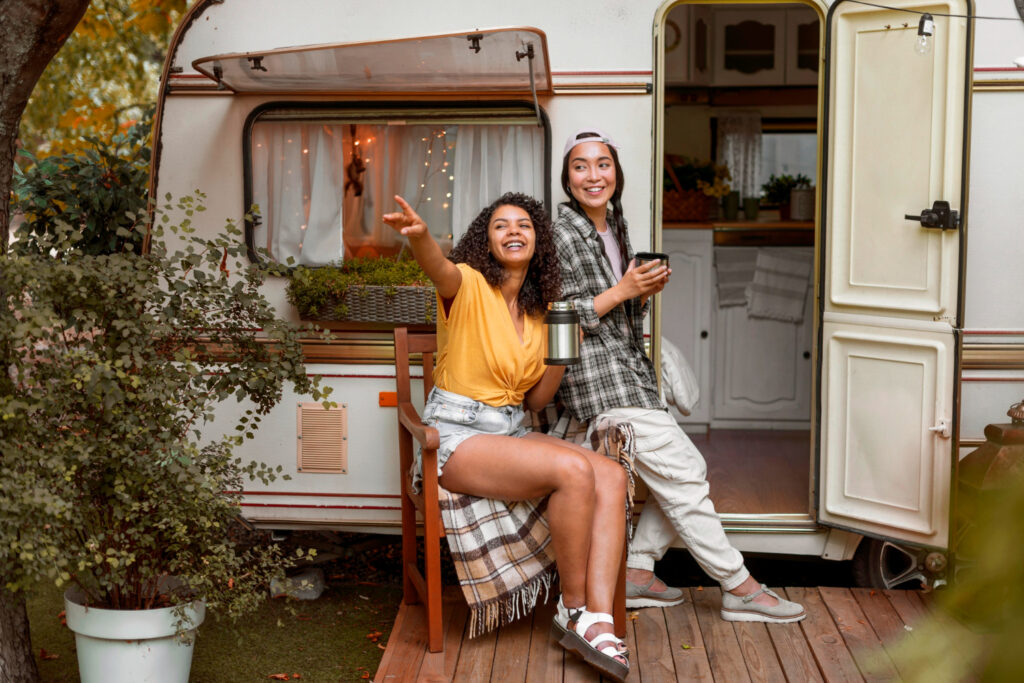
[322, 188]
[739, 148]
[493, 160]
[296, 175]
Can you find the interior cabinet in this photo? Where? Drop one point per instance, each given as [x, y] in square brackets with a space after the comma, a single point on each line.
[803, 35]
[765, 47]
[688, 45]
[686, 310]
[749, 47]
[762, 367]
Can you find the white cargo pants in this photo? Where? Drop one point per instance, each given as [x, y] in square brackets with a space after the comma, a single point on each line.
[676, 475]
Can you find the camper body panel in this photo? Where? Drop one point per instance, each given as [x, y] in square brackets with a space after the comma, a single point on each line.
[602, 60]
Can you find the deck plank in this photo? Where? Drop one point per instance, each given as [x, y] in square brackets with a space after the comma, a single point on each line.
[844, 630]
[652, 653]
[439, 667]
[688, 651]
[834, 661]
[545, 655]
[759, 653]
[406, 646]
[794, 653]
[888, 625]
[477, 658]
[862, 641]
[512, 651]
[723, 648]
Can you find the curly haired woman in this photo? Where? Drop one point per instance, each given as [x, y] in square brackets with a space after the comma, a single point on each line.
[492, 296]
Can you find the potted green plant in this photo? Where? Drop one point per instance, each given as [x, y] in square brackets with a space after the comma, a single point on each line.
[778, 190]
[112, 363]
[692, 188]
[387, 290]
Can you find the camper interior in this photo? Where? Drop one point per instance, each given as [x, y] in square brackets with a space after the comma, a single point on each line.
[741, 93]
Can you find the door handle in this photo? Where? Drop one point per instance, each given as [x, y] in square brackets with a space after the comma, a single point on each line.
[939, 217]
[943, 429]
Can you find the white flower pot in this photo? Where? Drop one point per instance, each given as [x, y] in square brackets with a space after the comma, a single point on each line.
[132, 646]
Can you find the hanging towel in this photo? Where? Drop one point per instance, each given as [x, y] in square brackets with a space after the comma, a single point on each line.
[780, 284]
[734, 270]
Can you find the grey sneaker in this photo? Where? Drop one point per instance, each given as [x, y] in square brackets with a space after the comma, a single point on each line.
[642, 596]
[743, 608]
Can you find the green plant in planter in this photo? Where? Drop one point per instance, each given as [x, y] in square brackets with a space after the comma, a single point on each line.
[317, 291]
[111, 365]
[776, 190]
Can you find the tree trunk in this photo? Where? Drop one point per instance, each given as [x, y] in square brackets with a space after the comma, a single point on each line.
[33, 31]
[17, 665]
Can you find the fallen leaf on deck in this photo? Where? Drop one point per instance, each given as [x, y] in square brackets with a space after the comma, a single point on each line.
[278, 677]
[907, 628]
[700, 588]
[296, 675]
[684, 646]
[43, 654]
[381, 646]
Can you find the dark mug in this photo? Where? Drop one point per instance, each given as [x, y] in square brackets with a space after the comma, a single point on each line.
[642, 257]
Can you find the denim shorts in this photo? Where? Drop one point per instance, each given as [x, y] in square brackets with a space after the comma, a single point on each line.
[456, 418]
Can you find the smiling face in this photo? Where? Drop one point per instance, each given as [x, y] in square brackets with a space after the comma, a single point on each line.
[591, 176]
[511, 236]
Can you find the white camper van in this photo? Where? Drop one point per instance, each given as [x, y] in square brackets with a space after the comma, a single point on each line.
[835, 432]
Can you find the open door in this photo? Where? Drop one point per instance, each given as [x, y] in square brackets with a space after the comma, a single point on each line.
[890, 286]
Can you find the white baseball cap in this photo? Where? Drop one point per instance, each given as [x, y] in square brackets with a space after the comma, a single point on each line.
[595, 135]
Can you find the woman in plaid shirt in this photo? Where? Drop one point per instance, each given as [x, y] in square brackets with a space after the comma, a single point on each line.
[616, 379]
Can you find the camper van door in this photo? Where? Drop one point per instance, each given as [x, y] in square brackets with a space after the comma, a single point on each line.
[895, 133]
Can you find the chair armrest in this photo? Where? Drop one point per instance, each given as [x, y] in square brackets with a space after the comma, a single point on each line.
[410, 419]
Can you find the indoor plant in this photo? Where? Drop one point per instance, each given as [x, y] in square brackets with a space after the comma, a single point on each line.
[692, 188]
[778, 189]
[112, 364]
[392, 290]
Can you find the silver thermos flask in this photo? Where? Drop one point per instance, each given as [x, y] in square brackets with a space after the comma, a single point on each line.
[563, 324]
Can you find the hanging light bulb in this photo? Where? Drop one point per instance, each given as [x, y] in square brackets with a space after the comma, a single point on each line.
[925, 31]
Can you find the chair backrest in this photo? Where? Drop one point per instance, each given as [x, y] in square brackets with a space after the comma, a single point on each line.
[406, 344]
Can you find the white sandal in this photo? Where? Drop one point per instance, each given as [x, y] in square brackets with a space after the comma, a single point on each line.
[568, 627]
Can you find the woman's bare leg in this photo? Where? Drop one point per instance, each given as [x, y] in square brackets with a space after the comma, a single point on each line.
[517, 469]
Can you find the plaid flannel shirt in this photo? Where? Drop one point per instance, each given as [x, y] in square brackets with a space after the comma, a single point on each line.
[614, 371]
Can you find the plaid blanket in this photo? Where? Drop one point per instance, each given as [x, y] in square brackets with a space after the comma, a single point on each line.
[502, 549]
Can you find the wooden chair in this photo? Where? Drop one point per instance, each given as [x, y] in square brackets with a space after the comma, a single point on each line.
[425, 586]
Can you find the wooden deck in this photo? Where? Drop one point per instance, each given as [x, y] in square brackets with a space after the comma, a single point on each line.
[848, 635]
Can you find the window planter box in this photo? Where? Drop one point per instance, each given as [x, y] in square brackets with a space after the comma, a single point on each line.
[408, 304]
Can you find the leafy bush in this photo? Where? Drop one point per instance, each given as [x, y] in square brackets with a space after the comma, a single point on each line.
[111, 364]
[100, 191]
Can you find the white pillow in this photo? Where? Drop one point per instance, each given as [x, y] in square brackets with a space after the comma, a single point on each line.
[678, 383]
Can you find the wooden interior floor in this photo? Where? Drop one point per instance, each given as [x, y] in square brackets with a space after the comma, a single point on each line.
[757, 471]
[848, 635]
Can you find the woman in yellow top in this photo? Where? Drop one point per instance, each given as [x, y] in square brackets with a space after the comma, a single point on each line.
[493, 293]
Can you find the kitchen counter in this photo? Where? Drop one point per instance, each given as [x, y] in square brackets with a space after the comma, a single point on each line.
[766, 233]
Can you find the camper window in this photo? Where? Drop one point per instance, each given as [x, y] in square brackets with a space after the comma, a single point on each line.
[321, 182]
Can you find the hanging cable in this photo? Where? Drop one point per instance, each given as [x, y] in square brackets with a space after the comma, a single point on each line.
[934, 14]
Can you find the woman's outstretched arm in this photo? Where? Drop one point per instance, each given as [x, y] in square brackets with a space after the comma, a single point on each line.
[446, 277]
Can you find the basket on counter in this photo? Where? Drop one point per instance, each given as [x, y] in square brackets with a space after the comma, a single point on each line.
[687, 205]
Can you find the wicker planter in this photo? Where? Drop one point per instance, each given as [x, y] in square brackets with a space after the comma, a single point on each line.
[412, 305]
[687, 205]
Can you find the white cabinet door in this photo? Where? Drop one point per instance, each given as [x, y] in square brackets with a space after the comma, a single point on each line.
[686, 310]
[762, 368]
[894, 130]
[749, 47]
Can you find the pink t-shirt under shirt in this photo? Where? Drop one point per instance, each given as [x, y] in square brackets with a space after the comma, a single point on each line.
[611, 248]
